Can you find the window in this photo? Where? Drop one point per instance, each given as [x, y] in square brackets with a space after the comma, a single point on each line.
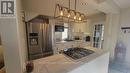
[65, 34]
[98, 35]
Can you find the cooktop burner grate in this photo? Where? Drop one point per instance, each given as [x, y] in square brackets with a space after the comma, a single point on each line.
[77, 53]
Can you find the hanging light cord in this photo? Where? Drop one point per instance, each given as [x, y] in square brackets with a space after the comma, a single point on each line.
[69, 4]
[75, 4]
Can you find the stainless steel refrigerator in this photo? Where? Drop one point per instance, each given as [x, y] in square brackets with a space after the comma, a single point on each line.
[39, 38]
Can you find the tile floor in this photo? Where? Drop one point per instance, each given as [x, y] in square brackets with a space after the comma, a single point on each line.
[114, 71]
[118, 68]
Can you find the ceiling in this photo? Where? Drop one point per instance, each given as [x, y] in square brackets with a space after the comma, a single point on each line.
[85, 7]
[91, 7]
[88, 7]
[82, 6]
[123, 3]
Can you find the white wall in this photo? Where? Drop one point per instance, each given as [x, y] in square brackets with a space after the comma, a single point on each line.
[110, 35]
[113, 33]
[125, 22]
[21, 33]
[13, 41]
[95, 19]
[10, 42]
[44, 7]
[30, 15]
[111, 23]
[100, 17]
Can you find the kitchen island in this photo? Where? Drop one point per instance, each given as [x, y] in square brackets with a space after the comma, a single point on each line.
[60, 63]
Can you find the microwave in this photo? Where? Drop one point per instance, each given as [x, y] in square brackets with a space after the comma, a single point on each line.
[59, 28]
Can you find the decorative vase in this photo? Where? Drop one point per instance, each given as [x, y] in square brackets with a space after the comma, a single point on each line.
[29, 67]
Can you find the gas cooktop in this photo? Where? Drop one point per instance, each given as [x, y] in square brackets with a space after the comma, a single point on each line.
[77, 53]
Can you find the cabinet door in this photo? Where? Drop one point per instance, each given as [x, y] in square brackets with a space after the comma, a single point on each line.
[80, 27]
[76, 27]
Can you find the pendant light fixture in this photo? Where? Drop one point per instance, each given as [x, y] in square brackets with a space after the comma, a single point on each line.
[75, 10]
[69, 10]
[66, 13]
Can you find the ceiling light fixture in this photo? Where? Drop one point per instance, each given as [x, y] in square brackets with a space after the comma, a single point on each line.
[69, 14]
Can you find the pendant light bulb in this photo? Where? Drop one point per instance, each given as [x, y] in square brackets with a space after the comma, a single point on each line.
[75, 17]
[80, 19]
[68, 15]
[61, 12]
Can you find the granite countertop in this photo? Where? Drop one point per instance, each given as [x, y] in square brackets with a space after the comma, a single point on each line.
[60, 63]
[70, 41]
